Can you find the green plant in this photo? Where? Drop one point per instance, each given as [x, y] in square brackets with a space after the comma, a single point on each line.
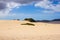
[28, 24]
[30, 19]
[17, 19]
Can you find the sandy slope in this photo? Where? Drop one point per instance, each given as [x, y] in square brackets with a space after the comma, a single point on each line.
[13, 30]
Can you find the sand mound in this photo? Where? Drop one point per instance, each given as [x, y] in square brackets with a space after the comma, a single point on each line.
[13, 30]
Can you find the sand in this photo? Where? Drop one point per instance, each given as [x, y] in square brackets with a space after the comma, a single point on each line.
[13, 30]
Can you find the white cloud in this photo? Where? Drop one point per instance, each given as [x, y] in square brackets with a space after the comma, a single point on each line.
[13, 5]
[43, 4]
[9, 6]
[5, 13]
[48, 5]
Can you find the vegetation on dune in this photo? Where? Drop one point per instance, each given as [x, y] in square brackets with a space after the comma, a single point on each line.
[56, 20]
[29, 19]
[17, 19]
[47, 20]
[33, 20]
[28, 24]
[43, 21]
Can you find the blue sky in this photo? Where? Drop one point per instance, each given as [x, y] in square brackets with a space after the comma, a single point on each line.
[39, 10]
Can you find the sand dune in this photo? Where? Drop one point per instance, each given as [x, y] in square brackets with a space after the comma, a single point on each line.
[13, 30]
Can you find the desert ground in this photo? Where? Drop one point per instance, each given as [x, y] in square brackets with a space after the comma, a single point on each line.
[13, 30]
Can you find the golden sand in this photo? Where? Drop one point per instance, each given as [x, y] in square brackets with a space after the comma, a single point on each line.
[13, 30]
